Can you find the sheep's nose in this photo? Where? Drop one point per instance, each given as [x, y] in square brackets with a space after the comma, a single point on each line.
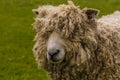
[53, 52]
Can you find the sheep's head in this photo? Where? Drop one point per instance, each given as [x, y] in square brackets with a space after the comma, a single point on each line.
[64, 34]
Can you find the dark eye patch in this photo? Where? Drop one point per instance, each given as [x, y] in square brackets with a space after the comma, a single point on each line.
[46, 34]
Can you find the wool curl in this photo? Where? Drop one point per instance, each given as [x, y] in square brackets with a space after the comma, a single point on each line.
[92, 47]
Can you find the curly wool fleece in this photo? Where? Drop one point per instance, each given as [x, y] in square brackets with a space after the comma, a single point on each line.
[92, 47]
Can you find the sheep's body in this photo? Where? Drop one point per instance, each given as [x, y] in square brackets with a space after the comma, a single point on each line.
[109, 30]
[92, 52]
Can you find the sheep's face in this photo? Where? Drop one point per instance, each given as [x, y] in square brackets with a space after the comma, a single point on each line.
[62, 32]
[55, 48]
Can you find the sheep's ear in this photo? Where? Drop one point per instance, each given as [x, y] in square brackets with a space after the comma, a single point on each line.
[35, 11]
[91, 13]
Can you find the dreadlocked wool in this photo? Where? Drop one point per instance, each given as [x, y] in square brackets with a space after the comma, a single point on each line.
[92, 47]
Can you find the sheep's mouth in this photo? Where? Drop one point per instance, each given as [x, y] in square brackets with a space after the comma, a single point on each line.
[55, 61]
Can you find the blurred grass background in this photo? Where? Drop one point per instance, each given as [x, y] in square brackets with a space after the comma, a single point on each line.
[16, 35]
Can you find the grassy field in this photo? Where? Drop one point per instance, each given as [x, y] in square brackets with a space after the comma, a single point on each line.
[16, 35]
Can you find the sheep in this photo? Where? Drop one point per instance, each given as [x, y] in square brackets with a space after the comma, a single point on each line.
[71, 44]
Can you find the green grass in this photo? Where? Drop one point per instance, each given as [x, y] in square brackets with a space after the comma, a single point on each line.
[16, 35]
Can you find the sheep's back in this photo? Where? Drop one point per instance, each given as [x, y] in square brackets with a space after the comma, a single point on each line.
[109, 27]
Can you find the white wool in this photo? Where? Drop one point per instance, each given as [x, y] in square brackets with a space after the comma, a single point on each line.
[112, 20]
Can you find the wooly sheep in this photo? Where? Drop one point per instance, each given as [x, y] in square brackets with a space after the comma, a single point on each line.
[72, 45]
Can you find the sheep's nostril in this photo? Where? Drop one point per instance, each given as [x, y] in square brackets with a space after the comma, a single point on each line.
[53, 52]
[57, 51]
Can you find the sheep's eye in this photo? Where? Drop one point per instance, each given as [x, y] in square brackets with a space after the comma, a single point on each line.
[46, 34]
[49, 31]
